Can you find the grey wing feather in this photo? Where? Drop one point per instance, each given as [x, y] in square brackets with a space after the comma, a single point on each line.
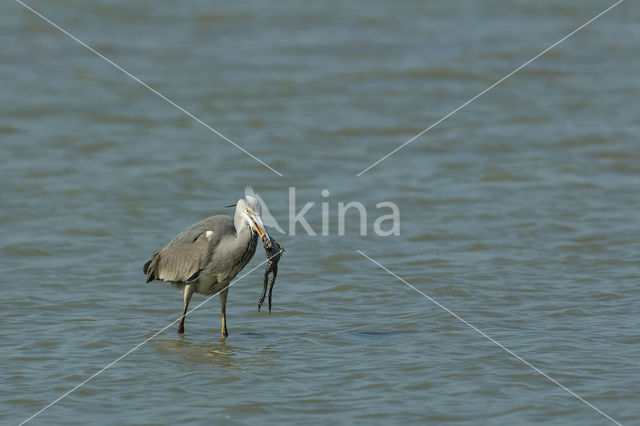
[189, 252]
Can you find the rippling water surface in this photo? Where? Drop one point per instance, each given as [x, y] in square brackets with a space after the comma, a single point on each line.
[519, 213]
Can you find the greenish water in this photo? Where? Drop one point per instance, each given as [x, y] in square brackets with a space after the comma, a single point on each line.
[519, 213]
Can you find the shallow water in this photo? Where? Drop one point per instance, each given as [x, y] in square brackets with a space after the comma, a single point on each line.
[519, 213]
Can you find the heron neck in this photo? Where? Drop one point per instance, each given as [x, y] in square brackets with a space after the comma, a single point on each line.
[243, 230]
[244, 244]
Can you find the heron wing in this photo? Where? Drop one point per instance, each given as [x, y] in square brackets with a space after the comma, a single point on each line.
[189, 252]
[183, 262]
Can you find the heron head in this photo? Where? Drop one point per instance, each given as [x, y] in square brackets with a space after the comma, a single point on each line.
[251, 210]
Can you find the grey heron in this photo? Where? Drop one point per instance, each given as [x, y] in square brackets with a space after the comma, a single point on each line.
[207, 255]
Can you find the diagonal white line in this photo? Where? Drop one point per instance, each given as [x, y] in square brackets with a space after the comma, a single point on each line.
[151, 89]
[500, 345]
[491, 87]
[139, 345]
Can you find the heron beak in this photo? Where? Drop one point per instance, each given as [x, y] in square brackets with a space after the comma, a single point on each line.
[259, 227]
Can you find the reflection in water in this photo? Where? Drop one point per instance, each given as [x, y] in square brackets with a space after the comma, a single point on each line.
[229, 357]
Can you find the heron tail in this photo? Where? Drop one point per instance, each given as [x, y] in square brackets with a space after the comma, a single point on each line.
[150, 267]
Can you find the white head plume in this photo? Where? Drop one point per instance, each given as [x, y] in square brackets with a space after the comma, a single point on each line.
[267, 218]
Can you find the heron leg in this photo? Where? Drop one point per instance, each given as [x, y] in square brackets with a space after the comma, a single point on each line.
[264, 292]
[273, 281]
[188, 292]
[223, 303]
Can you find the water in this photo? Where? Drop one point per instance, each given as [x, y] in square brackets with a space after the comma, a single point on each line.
[519, 213]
